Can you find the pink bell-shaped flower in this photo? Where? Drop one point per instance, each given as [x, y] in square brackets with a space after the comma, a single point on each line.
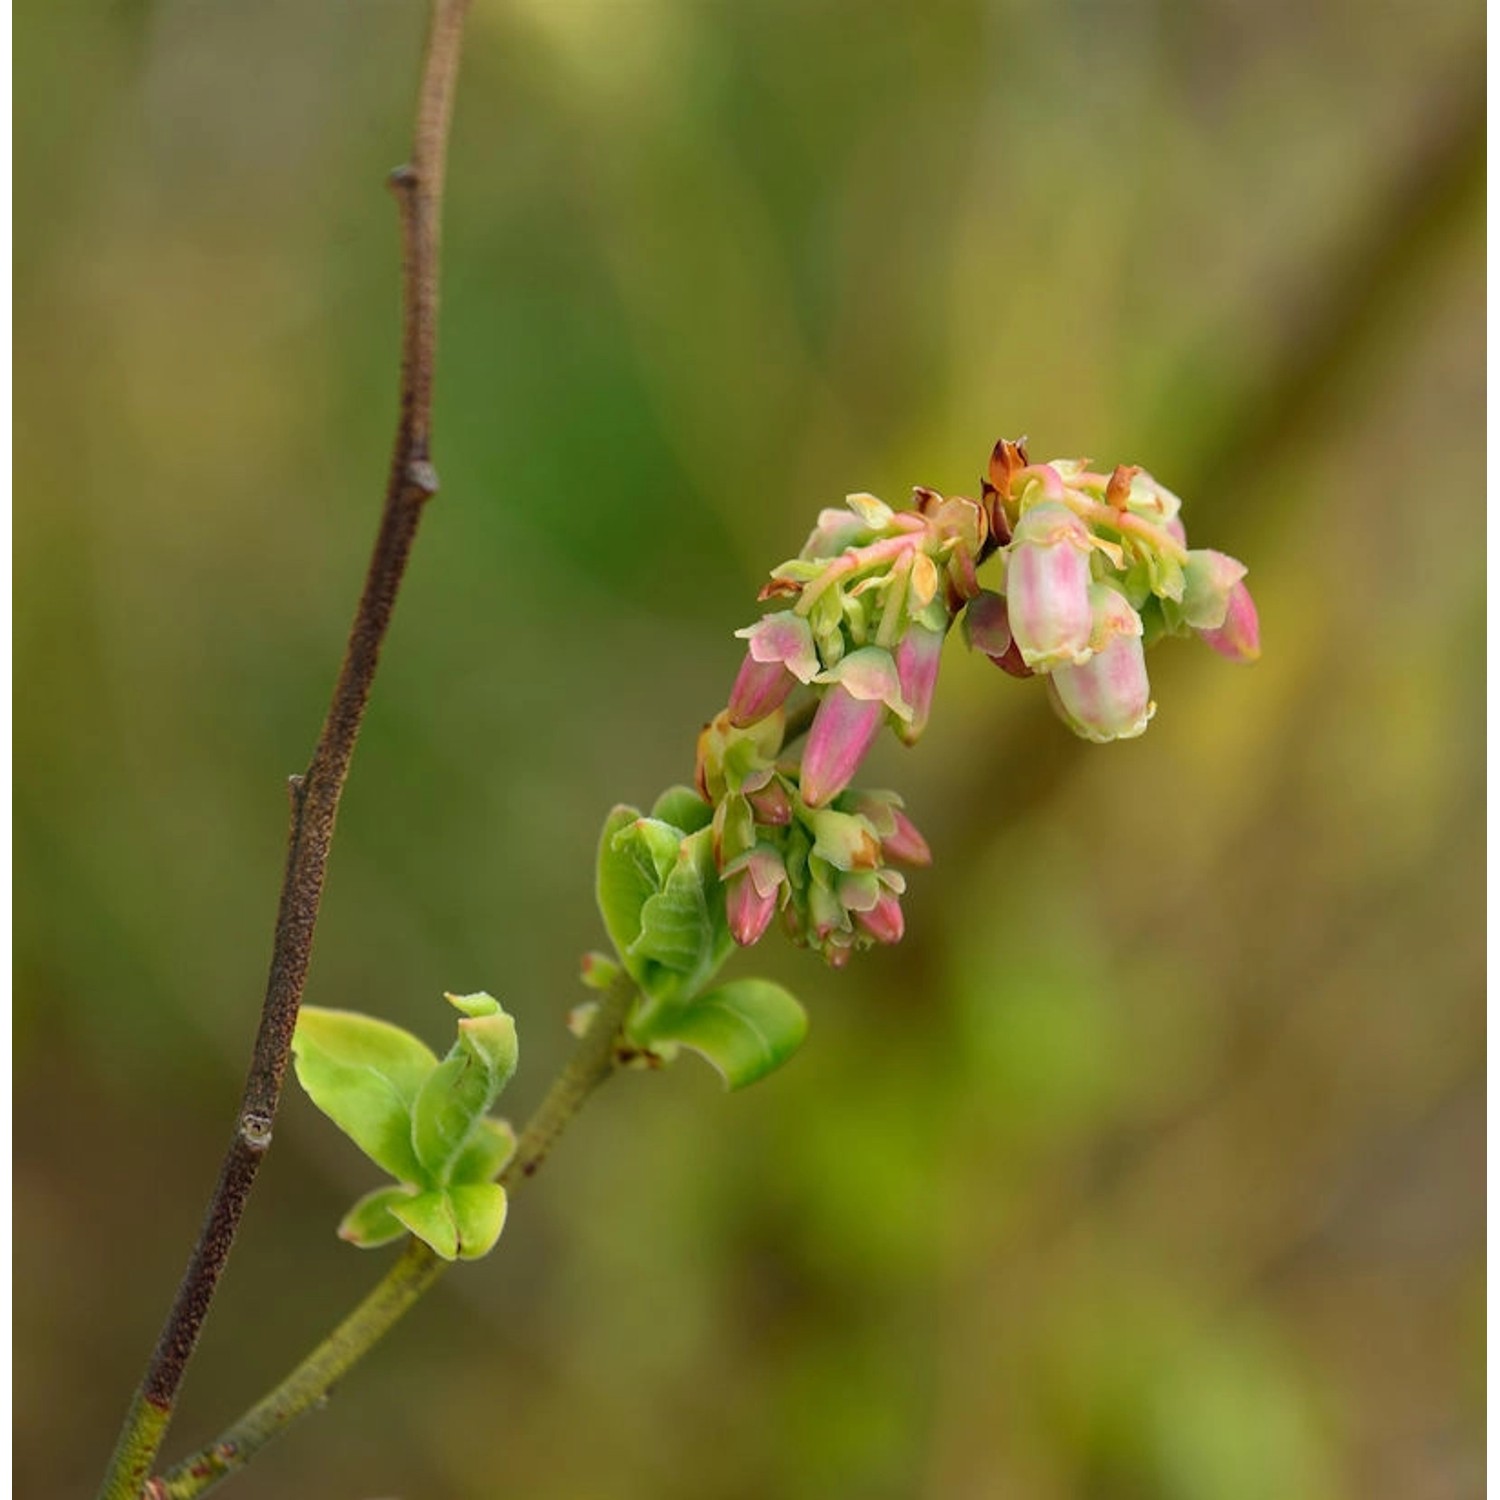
[1238, 638]
[780, 655]
[1047, 587]
[1107, 697]
[918, 654]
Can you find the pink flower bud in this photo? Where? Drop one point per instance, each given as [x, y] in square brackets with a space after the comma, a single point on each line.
[1108, 697]
[906, 845]
[1047, 587]
[760, 689]
[843, 729]
[1238, 638]
[749, 912]
[751, 895]
[861, 688]
[917, 657]
[1208, 579]
[781, 654]
[884, 921]
[772, 806]
[985, 625]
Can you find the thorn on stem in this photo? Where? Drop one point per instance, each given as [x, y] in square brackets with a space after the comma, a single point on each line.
[402, 179]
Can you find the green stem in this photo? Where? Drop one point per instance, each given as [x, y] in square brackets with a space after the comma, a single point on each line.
[593, 1060]
[416, 1270]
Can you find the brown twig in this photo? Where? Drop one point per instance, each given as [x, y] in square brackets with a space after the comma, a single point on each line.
[315, 794]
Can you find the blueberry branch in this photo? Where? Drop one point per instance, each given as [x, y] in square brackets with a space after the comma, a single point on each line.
[413, 1274]
[315, 794]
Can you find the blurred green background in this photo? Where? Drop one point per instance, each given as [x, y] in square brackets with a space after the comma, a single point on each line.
[1150, 1165]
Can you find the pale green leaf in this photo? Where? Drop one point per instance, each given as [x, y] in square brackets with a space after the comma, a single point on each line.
[364, 1075]
[459, 1091]
[430, 1217]
[683, 809]
[684, 935]
[625, 879]
[746, 1029]
[479, 1212]
[370, 1223]
[487, 1150]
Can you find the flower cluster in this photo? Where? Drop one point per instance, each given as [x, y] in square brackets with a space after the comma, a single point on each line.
[830, 865]
[1092, 568]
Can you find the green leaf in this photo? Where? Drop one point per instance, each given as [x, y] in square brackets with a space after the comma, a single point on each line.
[459, 1091]
[625, 878]
[370, 1223]
[430, 1217]
[487, 1150]
[746, 1029]
[683, 808]
[684, 936]
[479, 1212]
[364, 1075]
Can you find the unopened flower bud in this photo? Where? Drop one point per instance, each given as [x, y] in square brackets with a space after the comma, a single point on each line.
[751, 895]
[843, 729]
[986, 627]
[884, 921]
[906, 845]
[1108, 697]
[862, 687]
[1047, 587]
[918, 654]
[1208, 580]
[760, 688]
[771, 805]
[1238, 638]
[780, 655]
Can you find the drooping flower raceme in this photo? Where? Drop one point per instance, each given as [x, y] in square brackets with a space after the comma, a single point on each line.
[1053, 571]
[1092, 569]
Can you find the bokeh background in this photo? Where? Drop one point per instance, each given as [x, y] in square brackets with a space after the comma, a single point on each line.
[1150, 1164]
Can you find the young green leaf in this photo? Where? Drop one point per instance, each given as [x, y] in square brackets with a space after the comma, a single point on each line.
[430, 1217]
[479, 1212]
[625, 878]
[485, 1153]
[683, 808]
[684, 936]
[746, 1029]
[458, 1092]
[364, 1075]
[370, 1223]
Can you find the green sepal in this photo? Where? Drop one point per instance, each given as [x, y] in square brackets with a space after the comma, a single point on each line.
[1168, 580]
[683, 808]
[478, 1210]
[746, 1029]
[365, 1076]
[458, 1092]
[370, 1223]
[430, 1217]
[485, 1153]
